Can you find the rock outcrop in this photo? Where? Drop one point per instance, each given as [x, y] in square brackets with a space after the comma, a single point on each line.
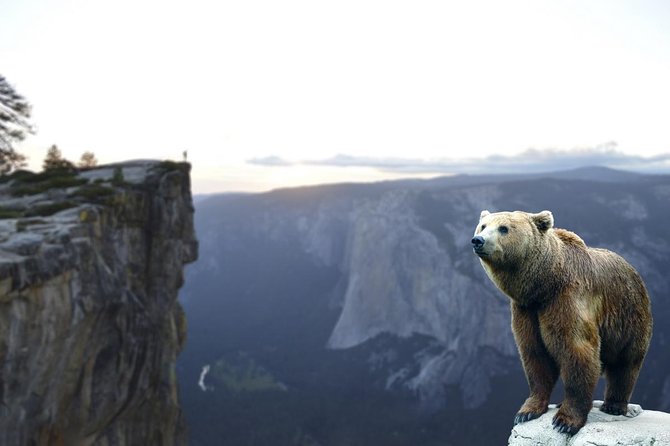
[90, 326]
[637, 428]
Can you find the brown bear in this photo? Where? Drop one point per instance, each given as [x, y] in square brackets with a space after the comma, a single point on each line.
[577, 312]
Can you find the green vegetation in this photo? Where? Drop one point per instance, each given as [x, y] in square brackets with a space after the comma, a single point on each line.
[49, 209]
[93, 192]
[14, 126]
[19, 175]
[118, 179]
[23, 182]
[26, 176]
[36, 211]
[169, 165]
[243, 374]
[10, 213]
[65, 181]
[55, 161]
[45, 181]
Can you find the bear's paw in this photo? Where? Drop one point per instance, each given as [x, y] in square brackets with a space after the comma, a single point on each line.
[614, 408]
[565, 424]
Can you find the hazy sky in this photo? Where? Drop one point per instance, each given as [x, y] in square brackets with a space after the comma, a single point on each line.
[304, 81]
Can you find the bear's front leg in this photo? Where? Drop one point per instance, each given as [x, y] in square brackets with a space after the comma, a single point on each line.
[541, 370]
[576, 347]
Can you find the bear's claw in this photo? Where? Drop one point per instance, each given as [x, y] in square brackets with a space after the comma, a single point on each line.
[522, 417]
[564, 428]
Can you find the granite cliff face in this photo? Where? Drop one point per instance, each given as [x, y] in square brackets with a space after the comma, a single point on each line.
[90, 327]
[405, 279]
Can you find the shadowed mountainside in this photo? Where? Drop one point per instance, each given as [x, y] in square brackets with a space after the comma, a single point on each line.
[365, 308]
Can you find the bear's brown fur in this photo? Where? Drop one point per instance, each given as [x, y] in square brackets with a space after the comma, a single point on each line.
[575, 309]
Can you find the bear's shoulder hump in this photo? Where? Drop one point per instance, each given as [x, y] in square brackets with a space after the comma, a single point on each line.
[569, 238]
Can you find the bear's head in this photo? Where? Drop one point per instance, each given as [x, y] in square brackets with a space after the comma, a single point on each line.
[503, 240]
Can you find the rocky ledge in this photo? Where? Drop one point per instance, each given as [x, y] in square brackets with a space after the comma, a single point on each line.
[90, 327]
[637, 428]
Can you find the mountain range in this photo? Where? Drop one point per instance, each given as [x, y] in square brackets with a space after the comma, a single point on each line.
[356, 314]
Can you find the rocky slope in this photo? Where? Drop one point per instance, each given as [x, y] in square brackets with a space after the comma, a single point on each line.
[90, 328]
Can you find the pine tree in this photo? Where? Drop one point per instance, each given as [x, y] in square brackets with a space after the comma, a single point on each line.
[14, 126]
[87, 160]
[55, 160]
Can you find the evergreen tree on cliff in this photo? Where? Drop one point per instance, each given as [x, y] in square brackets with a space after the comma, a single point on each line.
[55, 160]
[14, 126]
[87, 160]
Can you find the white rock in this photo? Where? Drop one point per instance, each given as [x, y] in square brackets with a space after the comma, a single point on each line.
[637, 428]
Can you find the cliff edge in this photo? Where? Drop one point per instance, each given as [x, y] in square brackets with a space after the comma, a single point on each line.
[637, 428]
[90, 326]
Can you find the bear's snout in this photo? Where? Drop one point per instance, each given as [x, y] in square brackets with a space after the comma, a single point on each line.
[478, 242]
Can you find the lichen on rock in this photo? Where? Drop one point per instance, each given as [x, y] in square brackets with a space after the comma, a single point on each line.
[90, 325]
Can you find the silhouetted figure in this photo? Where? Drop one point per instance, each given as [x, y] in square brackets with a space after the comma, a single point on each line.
[185, 155]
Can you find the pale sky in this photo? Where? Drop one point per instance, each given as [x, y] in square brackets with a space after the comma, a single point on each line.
[305, 81]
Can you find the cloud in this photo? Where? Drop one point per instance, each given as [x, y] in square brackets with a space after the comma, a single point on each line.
[545, 160]
[529, 161]
[388, 164]
[269, 161]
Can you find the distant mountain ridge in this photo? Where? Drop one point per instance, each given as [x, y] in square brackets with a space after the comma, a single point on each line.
[373, 288]
[530, 160]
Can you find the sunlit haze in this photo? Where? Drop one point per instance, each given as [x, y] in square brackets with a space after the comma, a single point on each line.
[290, 85]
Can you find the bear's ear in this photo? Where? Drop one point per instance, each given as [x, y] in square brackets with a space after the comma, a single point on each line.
[543, 220]
[484, 214]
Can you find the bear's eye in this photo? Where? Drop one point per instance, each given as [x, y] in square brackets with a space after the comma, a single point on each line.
[483, 227]
[503, 229]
